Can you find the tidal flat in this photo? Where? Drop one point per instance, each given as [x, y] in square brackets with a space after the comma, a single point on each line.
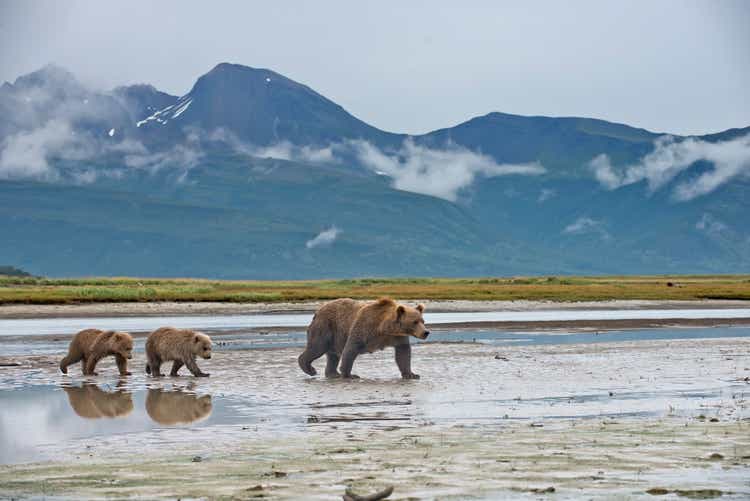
[491, 416]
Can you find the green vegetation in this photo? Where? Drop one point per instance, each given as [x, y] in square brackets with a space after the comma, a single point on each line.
[32, 290]
[12, 271]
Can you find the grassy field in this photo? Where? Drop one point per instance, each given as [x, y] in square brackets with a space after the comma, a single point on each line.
[90, 290]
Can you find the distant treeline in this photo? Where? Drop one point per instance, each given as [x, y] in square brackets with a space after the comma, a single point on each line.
[12, 271]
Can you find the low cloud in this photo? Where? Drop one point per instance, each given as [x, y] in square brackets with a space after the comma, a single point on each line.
[585, 225]
[669, 158]
[324, 238]
[283, 150]
[58, 140]
[440, 173]
[25, 155]
[36, 155]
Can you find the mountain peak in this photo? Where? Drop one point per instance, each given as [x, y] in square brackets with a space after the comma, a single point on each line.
[49, 75]
[261, 107]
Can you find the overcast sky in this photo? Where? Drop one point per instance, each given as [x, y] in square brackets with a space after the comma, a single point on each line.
[681, 67]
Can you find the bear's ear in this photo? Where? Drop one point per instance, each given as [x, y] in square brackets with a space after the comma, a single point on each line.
[196, 339]
[420, 308]
[117, 336]
[400, 311]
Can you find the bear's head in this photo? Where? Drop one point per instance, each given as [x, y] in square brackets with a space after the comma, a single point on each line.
[121, 343]
[410, 321]
[201, 345]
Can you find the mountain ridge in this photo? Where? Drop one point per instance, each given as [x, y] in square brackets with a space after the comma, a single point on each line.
[236, 177]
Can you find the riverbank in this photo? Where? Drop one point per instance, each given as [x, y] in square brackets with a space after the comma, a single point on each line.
[164, 308]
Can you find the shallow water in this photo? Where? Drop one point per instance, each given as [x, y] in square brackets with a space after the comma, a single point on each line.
[261, 393]
[55, 326]
[23, 345]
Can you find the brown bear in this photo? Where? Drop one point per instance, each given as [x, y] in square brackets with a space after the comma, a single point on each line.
[344, 329]
[181, 346]
[177, 407]
[91, 345]
[90, 401]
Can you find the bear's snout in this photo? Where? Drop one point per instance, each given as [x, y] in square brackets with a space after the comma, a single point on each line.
[426, 333]
[208, 356]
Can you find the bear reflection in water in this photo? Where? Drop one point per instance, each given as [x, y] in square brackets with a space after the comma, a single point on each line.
[170, 407]
[91, 402]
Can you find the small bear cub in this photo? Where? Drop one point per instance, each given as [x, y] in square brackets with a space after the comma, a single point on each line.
[181, 346]
[91, 345]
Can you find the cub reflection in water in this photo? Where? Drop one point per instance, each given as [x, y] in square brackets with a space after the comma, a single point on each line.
[176, 406]
[91, 402]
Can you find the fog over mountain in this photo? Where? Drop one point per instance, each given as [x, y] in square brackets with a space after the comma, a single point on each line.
[253, 175]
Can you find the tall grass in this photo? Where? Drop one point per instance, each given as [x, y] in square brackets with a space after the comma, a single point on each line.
[125, 289]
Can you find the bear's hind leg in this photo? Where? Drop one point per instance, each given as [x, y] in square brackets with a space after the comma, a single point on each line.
[332, 364]
[176, 366]
[91, 361]
[313, 352]
[69, 359]
[154, 366]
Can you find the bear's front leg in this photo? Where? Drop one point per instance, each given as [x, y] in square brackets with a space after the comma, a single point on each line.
[122, 365]
[351, 350]
[403, 360]
[193, 367]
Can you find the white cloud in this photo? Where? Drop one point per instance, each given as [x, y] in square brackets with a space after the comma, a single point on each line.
[182, 156]
[710, 225]
[441, 173]
[283, 150]
[585, 225]
[325, 237]
[669, 158]
[546, 194]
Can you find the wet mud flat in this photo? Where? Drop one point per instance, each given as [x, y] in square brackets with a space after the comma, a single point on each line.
[666, 418]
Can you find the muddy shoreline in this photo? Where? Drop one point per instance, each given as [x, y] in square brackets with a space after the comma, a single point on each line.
[21, 311]
[485, 422]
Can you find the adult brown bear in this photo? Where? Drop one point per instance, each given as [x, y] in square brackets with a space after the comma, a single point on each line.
[344, 329]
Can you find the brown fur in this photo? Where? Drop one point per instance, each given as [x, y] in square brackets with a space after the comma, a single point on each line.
[177, 407]
[90, 401]
[91, 345]
[344, 329]
[181, 346]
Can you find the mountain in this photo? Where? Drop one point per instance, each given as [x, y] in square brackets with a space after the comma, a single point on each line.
[53, 94]
[560, 144]
[260, 107]
[253, 175]
[142, 100]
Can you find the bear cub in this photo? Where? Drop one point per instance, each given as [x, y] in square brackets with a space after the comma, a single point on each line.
[180, 346]
[91, 345]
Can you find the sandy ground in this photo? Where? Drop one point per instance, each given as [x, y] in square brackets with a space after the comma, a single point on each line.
[174, 308]
[615, 420]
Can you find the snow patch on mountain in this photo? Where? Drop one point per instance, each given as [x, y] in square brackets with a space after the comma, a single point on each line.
[156, 117]
[181, 107]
